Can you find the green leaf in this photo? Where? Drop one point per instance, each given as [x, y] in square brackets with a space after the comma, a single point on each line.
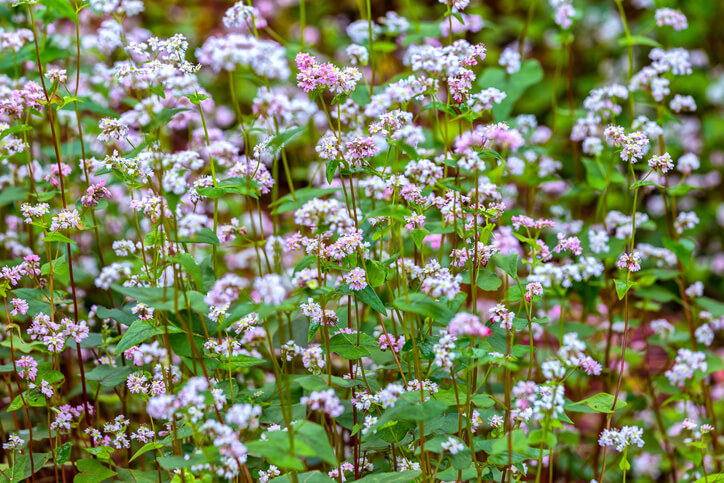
[62, 453]
[508, 263]
[280, 140]
[369, 297]
[418, 236]
[21, 469]
[638, 40]
[715, 307]
[117, 315]
[715, 478]
[187, 261]
[514, 85]
[240, 361]
[622, 288]
[15, 129]
[488, 281]
[55, 236]
[308, 477]
[332, 169]
[204, 235]
[375, 273]
[109, 376]
[31, 397]
[600, 403]
[139, 331]
[62, 7]
[424, 305]
[176, 462]
[151, 445]
[92, 471]
[624, 465]
[316, 437]
[11, 194]
[397, 477]
[276, 451]
[343, 345]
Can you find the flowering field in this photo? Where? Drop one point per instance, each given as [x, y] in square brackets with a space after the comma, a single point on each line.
[308, 241]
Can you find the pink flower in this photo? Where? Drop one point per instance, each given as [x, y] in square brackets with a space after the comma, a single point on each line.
[356, 278]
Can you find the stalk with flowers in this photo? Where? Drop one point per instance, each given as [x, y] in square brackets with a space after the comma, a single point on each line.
[303, 244]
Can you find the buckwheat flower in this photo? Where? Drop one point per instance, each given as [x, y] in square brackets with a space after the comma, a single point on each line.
[485, 99]
[662, 328]
[78, 332]
[685, 364]
[356, 278]
[112, 130]
[677, 61]
[687, 163]
[635, 146]
[622, 438]
[118, 7]
[368, 423]
[415, 221]
[20, 307]
[67, 219]
[496, 421]
[143, 434]
[571, 243]
[313, 359]
[590, 366]
[686, 220]
[244, 416]
[452, 445]
[359, 148]
[614, 135]
[598, 240]
[243, 16]
[218, 313]
[326, 402]
[672, 18]
[113, 273]
[630, 262]
[500, 314]
[442, 284]
[271, 473]
[14, 442]
[510, 59]
[681, 103]
[391, 342]
[689, 424]
[54, 74]
[45, 388]
[33, 211]
[553, 370]
[94, 193]
[27, 368]
[357, 54]
[388, 396]
[704, 334]
[56, 172]
[706, 428]
[456, 5]
[695, 290]
[532, 289]
[271, 289]
[564, 12]
[467, 324]
[137, 383]
[246, 323]
[443, 350]
[661, 164]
